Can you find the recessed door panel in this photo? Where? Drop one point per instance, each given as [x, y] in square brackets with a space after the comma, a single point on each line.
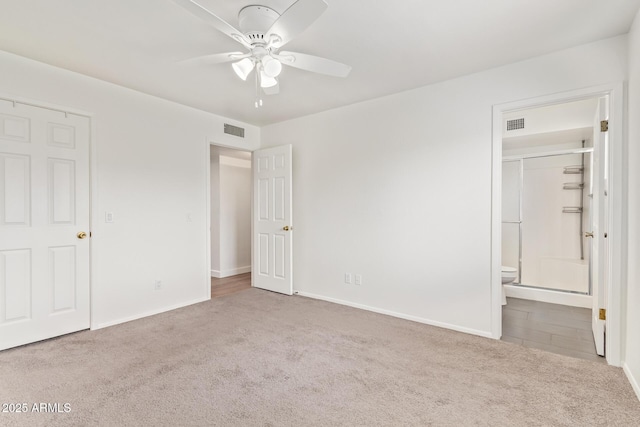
[263, 164]
[263, 199]
[279, 162]
[59, 135]
[61, 191]
[14, 128]
[62, 276]
[279, 256]
[263, 254]
[279, 198]
[15, 194]
[15, 284]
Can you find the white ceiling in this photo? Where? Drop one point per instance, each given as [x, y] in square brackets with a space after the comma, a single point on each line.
[392, 45]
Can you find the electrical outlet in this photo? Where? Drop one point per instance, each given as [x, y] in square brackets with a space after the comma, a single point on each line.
[347, 278]
[358, 280]
[158, 285]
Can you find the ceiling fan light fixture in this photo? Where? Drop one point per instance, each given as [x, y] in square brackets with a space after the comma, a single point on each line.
[271, 66]
[263, 32]
[266, 81]
[243, 68]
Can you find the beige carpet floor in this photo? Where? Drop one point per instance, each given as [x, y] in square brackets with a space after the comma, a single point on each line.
[261, 359]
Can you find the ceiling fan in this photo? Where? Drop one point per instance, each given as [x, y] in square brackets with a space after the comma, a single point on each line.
[263, 31]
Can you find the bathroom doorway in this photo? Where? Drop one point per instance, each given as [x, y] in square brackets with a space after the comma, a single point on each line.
[230, 199]
[547, 197]
[552, 163]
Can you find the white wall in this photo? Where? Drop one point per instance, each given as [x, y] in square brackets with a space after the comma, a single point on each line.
[151, 173]
[232, 222]
[632, 351]
[398, 189]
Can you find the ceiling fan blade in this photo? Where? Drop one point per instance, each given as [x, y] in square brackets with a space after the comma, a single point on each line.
[273, 90]
[216, 58]
[214, 20]
[295, 20]
[314, 64]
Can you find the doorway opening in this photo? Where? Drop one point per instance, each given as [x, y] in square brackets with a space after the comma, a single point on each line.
[555, 244]
[547, 205]
[251, 234]
[230, 199]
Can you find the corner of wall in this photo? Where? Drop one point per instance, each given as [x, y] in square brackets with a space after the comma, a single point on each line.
[631, 354]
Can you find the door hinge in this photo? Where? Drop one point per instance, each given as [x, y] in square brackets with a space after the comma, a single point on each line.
[602, 315]
[604, 125]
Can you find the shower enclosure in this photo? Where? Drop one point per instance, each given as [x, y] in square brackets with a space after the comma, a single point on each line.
[546, 208]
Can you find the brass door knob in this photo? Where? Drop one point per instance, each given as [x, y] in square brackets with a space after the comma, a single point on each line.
[81, 235]
[588, 234]
[285, 228]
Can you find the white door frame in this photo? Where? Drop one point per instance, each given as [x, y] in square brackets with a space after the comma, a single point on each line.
[617, 229]
[93, 182]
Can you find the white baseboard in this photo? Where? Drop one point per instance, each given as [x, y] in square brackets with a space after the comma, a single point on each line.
[231, 272]
[399, 315]
[633, 380]
[544, 295]
[95, 326]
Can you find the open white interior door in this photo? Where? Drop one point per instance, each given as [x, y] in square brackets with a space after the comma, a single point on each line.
[44, 209]
[600, 215]
[272, 226]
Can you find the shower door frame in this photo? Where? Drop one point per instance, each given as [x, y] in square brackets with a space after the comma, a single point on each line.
[616, 226]
[520, 158]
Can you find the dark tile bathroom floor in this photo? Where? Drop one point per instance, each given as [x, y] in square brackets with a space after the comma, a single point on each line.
[552, 327]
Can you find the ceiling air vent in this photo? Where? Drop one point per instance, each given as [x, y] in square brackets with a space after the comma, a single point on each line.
[515, 124]
[233, 130]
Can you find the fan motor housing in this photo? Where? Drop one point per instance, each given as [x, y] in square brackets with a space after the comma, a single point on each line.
[255, 20]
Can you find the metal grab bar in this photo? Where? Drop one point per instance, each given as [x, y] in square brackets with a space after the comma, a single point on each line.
[571, 209]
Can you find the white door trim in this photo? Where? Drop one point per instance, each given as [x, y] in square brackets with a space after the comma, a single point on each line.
[207, 233]
[617, 229]
[46, 105]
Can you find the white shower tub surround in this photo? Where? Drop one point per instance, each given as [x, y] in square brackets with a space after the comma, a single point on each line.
[571, 275]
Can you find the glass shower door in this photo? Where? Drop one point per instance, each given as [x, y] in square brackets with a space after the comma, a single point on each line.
[511, 214]
[554, 211]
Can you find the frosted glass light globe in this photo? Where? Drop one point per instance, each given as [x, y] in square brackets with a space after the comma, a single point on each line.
[271, 66]
[266, 81]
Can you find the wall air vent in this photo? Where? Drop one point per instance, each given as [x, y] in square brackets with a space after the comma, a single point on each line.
[515, 124]
[233, 130]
